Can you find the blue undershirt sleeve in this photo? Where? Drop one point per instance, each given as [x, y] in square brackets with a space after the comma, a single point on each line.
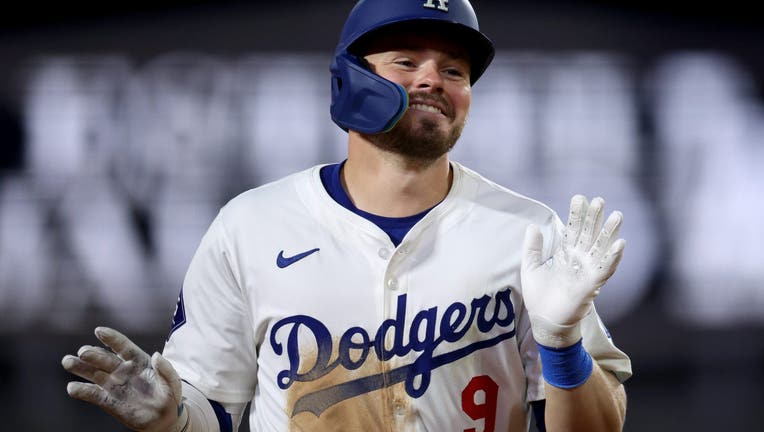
[224, 419]
[538, 408]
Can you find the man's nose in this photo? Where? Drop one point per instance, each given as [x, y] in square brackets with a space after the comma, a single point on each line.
[429, 77]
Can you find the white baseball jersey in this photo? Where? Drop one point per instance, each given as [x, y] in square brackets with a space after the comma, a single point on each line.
[309, 311]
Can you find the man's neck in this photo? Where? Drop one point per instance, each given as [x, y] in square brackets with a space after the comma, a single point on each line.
[391, 185]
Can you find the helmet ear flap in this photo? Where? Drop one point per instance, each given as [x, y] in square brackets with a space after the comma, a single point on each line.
[362, 100]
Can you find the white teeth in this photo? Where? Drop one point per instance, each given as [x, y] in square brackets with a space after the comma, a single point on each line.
[423, 107]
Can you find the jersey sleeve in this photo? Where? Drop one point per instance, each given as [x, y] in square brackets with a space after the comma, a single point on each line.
[212, 345]
[531, 361]
[599, 344]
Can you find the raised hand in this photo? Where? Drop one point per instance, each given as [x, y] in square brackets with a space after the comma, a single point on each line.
[559, 292]
[142, 392]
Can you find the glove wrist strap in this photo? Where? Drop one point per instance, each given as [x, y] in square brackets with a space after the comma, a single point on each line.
[554, 335]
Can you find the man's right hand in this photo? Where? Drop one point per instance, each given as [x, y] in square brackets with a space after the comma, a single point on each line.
[141, 391]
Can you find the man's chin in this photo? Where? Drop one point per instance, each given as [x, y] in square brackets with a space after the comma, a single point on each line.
[424, 143]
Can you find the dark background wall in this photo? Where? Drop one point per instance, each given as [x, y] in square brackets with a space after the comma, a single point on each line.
[689, 374]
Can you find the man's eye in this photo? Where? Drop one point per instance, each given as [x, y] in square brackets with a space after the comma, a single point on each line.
[455, 72]
[407, 63]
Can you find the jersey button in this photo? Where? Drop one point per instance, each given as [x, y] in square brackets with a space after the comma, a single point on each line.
[383, 253]
[392, 283]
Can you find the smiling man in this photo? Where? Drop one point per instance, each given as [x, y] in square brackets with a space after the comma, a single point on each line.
[394, 291]
[435, 74]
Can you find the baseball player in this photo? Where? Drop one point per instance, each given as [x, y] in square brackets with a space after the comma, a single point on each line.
[394, 291]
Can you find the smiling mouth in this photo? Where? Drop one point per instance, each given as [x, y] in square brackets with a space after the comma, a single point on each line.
[427, 108]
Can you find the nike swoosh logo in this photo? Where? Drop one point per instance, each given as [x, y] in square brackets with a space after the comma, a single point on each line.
[282, 261]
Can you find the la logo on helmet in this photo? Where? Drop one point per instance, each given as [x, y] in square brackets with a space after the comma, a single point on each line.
[442, 5]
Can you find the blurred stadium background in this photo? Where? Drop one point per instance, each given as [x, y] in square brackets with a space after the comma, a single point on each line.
[125, 126]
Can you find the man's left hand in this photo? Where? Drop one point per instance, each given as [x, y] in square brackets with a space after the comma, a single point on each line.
[559, 292]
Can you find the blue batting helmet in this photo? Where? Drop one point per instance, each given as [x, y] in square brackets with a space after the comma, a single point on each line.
[365, 102]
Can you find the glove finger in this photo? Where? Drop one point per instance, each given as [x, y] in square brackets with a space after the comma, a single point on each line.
[578, 207]
[607, 235]
[168, 374]
[84, 370]
[611, 259]
[123, 346]
[97, 396]
[533, 244]
[88, 392]
[127, 413]
[99, 357]
[591, 224]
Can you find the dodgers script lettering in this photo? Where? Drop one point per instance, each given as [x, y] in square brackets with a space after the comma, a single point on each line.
[356, 344]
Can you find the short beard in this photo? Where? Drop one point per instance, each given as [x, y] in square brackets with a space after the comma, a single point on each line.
[422, 144]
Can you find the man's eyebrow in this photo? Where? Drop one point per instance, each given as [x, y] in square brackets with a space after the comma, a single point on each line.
[453, 54]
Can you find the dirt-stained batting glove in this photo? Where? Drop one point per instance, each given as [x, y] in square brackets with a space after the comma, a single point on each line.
[559, 292]
[141, 391]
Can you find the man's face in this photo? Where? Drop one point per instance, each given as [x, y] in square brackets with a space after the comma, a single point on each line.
[436, 74]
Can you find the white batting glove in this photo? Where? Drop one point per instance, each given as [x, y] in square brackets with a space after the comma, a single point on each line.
[142, 392]
[559, 293]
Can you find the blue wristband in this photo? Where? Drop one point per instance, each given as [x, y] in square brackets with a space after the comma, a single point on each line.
[567, 367]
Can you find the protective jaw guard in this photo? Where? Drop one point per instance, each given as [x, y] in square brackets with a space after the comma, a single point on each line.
[362, 100]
